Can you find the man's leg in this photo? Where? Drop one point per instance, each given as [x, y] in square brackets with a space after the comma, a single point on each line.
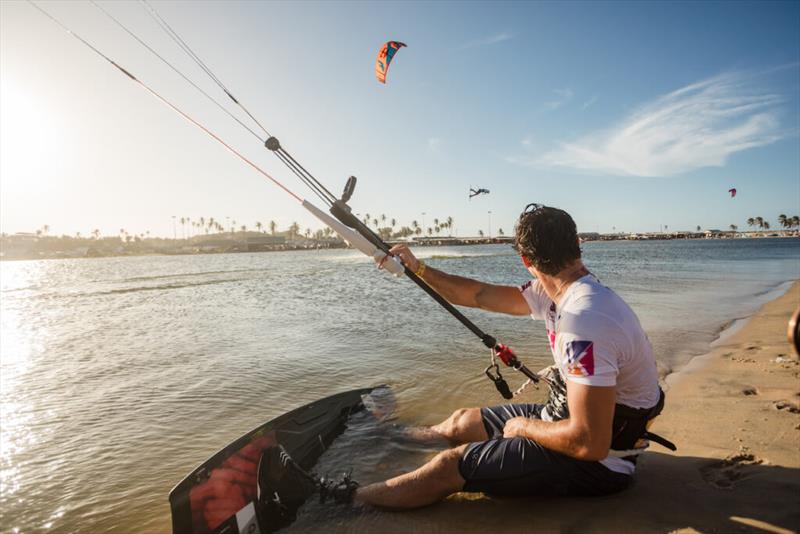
[426, 485]
[465, 425]
[441, 476]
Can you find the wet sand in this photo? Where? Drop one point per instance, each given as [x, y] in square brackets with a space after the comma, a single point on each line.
[734, 415]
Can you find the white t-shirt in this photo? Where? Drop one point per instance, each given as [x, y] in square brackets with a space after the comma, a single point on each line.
[596, 339]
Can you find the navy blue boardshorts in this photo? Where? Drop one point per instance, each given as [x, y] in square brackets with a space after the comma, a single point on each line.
[520, 466]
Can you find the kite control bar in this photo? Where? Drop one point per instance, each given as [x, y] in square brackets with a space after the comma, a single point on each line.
[342, 211]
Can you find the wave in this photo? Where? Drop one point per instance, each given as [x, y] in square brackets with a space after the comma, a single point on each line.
[181, 275]
[460, 256]
[121, 291]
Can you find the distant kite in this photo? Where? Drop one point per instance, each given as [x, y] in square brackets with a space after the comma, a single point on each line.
[476, 192]
[732, 191]
[388, 50]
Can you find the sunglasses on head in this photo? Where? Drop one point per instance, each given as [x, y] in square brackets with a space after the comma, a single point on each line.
[533, 207]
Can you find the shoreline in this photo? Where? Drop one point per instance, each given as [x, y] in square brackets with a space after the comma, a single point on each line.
[191, 247]
[728, 331]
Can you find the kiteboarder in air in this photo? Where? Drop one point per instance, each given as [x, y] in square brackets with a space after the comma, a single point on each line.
[732, 191]
[475, 192]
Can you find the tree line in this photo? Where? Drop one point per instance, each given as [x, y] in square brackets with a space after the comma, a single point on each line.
[386, 227]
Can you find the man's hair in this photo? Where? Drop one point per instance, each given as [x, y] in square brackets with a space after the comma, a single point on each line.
[548, 238]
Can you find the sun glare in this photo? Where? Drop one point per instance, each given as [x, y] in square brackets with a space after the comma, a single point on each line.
[27, 144]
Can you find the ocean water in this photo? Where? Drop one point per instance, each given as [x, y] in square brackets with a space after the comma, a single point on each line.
[120, 375]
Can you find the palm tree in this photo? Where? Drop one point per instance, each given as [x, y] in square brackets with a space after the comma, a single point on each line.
[45, 229]
[795, 222]
[77, 235]
[760, 222]
[294, 229]
[449, 225]
[183, 226]
[751, 222]
[366, 219]
[259, 226]
[308, 233]
[96, 233]
[733, 228]
[375, 222]
[783, 220]
[417, 230]
[480, 233]
[212, 223]
[202, 223]
[243, 228]
[698, 227]
[430, 231]
[765, 226]
[500, 232]
[383, 218]
[272, 227]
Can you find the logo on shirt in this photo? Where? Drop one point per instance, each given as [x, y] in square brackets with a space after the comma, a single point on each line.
[580, 358]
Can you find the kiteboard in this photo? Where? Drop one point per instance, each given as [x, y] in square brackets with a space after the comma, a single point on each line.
[222, 495]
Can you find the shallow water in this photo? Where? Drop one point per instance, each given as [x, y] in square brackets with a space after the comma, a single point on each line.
[120, 375]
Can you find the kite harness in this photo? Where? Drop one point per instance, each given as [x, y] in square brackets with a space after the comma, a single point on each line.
[349, 227]
[630, 435]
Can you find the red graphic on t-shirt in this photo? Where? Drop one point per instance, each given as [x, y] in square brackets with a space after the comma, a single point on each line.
[551, 334]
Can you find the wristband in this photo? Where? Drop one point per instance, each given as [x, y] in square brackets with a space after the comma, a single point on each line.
[420, 269]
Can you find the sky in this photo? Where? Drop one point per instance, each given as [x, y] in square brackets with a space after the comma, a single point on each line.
[631, 116]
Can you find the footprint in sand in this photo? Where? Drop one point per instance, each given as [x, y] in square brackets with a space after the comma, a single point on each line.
[726, 473]
[791, 407]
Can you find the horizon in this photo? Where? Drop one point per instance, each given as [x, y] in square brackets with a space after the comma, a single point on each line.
[626, 125]
[181, 232]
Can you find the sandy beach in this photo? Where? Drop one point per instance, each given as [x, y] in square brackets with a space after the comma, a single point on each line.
[735, 417]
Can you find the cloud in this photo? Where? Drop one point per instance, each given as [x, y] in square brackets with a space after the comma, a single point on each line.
[562, 97]
[490, 40]
[697, 126]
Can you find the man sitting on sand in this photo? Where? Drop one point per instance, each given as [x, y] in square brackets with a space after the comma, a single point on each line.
[599, 347]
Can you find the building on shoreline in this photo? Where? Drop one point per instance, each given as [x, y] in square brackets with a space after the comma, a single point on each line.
[28, 246]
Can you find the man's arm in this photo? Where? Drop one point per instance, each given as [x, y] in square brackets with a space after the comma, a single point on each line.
[586, 435]
[466, 291]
